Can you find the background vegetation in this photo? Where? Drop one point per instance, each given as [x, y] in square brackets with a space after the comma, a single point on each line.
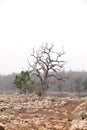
[74, 83]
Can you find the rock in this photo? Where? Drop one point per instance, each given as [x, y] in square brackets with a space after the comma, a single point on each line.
[48, 125]
[79, 112]
[58, 127]
[2, 128]
[78, 125]
[63, 103]
[83, 115]
[41, 128]
[4, 119]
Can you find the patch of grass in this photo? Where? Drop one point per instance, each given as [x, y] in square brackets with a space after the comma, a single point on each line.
[72, 101]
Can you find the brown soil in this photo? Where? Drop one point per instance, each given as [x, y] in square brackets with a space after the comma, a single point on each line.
[23, 113]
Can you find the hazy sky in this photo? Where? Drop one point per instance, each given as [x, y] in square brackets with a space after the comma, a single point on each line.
[25, 24]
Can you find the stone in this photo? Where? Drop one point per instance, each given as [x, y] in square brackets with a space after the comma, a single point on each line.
[2, 128]
[78, 125]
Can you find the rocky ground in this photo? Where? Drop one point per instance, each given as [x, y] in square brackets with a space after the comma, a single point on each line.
[38, 113]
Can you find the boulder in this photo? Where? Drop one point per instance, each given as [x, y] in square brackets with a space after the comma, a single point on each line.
[78, 125]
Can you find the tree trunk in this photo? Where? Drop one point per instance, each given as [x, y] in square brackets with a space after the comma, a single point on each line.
[44, 85]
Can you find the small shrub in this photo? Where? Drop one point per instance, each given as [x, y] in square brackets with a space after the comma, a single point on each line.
[39, 90]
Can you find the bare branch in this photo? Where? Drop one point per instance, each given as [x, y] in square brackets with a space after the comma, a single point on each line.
[46, 60]
[57, 77]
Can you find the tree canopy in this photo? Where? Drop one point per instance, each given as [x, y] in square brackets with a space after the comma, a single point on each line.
[24, 82]
[46, 64]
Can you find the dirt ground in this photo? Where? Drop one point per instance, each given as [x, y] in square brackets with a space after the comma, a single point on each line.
[37, 113]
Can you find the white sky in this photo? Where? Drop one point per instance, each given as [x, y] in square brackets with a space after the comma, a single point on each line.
[25, 24]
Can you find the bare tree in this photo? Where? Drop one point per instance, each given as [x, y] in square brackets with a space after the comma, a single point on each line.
[46, 64]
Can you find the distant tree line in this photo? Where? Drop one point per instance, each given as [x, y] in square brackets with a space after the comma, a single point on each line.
[75, 82]
[6, 82]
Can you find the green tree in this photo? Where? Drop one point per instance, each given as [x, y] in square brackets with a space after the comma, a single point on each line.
[85, 83]
[24, 82]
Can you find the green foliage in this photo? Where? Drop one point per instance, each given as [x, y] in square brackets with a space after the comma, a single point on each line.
[39, 90]
[85, 83]
[24, 82]
[29, 85]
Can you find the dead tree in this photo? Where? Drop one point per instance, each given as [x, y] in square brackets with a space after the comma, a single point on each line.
[46, 64]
